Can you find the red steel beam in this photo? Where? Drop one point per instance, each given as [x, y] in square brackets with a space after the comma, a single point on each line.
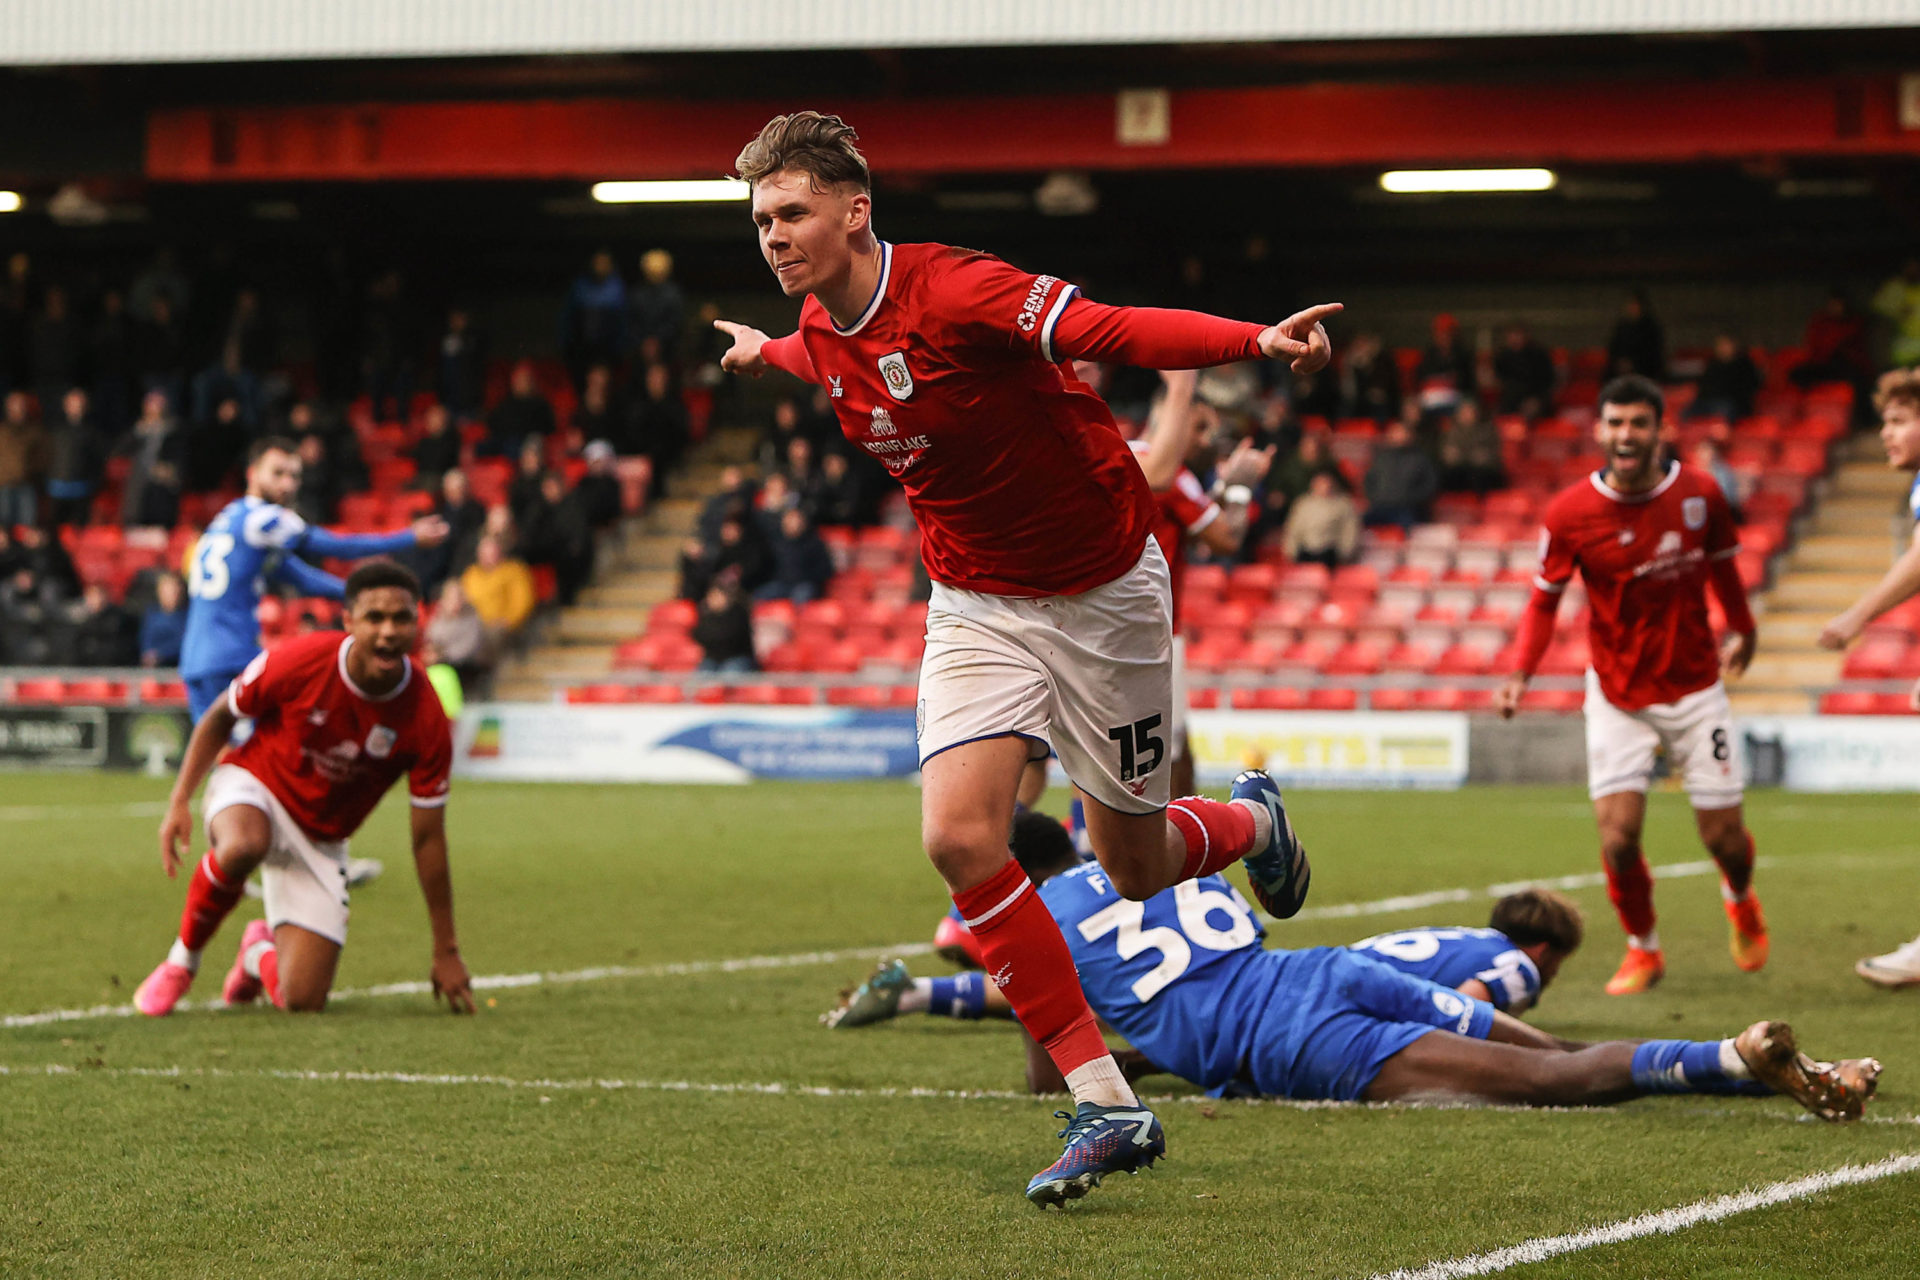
[1325, 125]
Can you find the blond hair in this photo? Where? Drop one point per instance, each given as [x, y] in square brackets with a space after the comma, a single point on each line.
[820, 146]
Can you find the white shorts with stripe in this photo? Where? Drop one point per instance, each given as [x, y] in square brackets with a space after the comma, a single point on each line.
[1697, 731]
[304, 879]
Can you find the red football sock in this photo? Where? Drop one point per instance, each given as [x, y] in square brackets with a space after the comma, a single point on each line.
[1217, 835]
[1028, 960]
[209, 899]
[1738, 870]
[1631, 889]
[270, 975]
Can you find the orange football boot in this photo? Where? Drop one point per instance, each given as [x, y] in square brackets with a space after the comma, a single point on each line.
[1748, 936]
[1640, 970]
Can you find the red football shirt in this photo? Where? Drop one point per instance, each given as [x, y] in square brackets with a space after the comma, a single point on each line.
[1181, 510]
[1020, 481]
[327, 750]
[1645, 560]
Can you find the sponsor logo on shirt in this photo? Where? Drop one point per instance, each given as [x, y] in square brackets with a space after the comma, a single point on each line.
[1670, 557]
[833, 381]
[1029, 318]
[893, 370]
[896, 453]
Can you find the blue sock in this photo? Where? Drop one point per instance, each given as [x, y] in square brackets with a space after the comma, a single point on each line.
[964, 995]
[1077, 828]
[1687, 1066]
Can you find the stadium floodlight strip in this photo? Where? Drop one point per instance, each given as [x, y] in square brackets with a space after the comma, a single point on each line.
[1436, 181]
[690, 191]
[10, 202]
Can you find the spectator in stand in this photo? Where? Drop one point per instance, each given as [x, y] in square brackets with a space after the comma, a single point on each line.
[734, 557]
[661, 430]
[24, 454]
[497, 524]
[593, 323]
[52, 567]
[723, 629]
[161, 281]
[104, 633]
[1707, 457]
[318, 497]
[246, 349]
[1401, 481]
[839, 499]
[460, 636]
[1311, 395]
[465, 518]
[308, 418]
[776, 499]
[110, 362]
[1471, 459]
[77, 458]
[16, 302]
[1898, 300]
[437, 451]
[523, 494]
[152, 495]
[1323, 525]
[1369, 380]
[802, 475]
[32, 627]
[164, 623]
[1836, 347]
[521, 413]
[600, 415]
[388, 333]
[1523, 370]
[460, 370]
[159, 353]
[500, 588]
[1444, 375]
[734, 499]
[802, 565]
[599, 488]
[555, 532]
[57, 347]
[783, 429]
[1728, 383]
[1638, 343]
[214, 446]
[659, 308]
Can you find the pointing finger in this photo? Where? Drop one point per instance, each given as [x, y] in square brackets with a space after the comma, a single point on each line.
[1314, 315]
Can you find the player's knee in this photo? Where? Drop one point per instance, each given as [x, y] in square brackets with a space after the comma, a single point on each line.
[306, 1001]
[1130, 881]
[1619, 845]
[965, 852]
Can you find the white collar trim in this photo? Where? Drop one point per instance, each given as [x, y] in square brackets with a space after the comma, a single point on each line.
[1599, 482]
[879, 295]
[406, 674]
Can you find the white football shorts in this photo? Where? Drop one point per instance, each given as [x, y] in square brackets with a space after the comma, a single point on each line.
[304, 879]
[1090, 675]
[1697, 731]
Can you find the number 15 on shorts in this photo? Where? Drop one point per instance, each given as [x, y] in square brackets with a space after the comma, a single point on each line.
[1141, 749]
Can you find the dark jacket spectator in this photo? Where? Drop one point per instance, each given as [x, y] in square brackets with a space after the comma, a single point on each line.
[601, 414]
[659, 308]
[215, 445]
[1638, 343]
[437, 451]
[735, 557]
[1293, 474]
[783, 429]
[465, 518]
[1445, 374]
[152, 495]
[523, 494]
[110, 361]
[733, 500]
[164, 623]
[521, 413]
[1728, 384]
[159, 352]
[660, 426]
[76, 460]
[33, 629]
[389, 330]
[1471, 459]
[555, 531]
[461, 368]
[57, 346]
[599, 488]
[593, 323]
[838, 498]
[1369, 381]
[105, 634]
[1524, 371]
[25, 452]
[802, 565]
[319, 494]
[724, 631]
[52, 567]
[1401, 481]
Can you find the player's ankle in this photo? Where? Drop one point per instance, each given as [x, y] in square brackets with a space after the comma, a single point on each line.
[179, 953]
[1102, 1083]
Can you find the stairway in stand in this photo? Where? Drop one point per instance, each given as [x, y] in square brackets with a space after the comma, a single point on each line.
[638, 571]
[1856, 530]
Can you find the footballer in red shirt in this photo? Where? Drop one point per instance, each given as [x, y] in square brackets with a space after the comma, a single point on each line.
[1649, 536]
[337, 719]
[1051, 621]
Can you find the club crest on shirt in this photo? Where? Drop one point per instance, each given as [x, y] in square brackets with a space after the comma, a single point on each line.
[1694, 512]
[893, 371]
[380, 740]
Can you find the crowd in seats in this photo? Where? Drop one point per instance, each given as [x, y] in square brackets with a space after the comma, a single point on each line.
[125, 412]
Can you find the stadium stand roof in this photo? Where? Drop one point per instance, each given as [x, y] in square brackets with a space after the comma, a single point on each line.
[56, 32]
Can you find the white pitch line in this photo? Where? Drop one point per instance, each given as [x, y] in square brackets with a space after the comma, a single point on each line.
[1664, 1222]
[43, 812]
[1440, 897]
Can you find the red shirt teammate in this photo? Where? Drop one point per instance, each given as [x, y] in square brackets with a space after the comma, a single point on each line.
[1050, 621]
[337, 720]
[1648, 539]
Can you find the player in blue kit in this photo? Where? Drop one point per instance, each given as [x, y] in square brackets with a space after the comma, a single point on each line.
[1507, 964]
[256, 540]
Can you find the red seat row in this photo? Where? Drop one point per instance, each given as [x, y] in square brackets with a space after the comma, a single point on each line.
[98, 691]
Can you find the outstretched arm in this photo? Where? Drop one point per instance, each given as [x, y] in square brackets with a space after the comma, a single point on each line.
[753, 353]
[1901, 581]
[427, 531]
[436, 886]
[307, 580]
[1156, 338]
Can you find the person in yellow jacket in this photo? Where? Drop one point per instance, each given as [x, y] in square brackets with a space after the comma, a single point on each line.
[499, 587]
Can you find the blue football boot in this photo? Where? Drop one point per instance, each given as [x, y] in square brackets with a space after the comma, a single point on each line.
[1100, 1140]
[1278, 871]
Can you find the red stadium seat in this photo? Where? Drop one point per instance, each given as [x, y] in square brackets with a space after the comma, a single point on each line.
[166, 693]
[656, 693]
[1268, 699]
[593, 694]
[39, 689]
[1391, 699]
[672, 617]
[1203, 699]
[96, 691]
[1333, 700]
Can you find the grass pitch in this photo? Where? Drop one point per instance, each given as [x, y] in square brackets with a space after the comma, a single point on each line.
[388, 1138]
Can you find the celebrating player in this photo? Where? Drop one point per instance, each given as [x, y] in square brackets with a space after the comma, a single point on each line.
[337, 719]
[1049, 623]
[1507, 965]
[1184, 977]
[254, 540]
[1648, 537]
[1898, 401]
